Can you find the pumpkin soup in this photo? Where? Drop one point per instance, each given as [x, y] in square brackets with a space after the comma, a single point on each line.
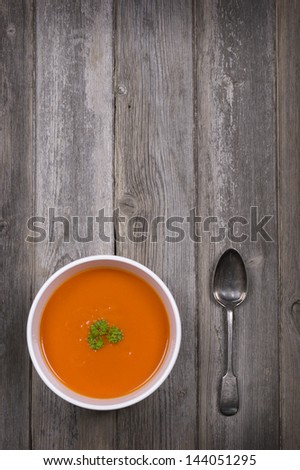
[124, 355]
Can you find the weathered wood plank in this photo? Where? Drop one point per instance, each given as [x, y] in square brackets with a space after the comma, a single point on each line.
[155, 177]
[16, 181]
[235, 52]
[289, 213]
[74, 175]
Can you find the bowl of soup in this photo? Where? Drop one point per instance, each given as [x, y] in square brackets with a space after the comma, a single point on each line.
[104, 332]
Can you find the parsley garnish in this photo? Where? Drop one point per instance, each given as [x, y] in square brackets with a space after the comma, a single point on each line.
[99, 330]
[114, 335]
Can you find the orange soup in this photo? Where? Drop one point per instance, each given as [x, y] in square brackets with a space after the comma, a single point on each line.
[123, 300]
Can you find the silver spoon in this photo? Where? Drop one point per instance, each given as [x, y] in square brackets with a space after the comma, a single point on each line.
[230, 290]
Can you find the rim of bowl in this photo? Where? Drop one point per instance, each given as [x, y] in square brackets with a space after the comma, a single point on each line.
[124, 400]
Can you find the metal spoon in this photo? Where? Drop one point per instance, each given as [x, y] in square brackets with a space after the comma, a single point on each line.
[230, 290]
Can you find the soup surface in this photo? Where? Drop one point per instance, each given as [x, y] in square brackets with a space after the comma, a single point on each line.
[123, 300]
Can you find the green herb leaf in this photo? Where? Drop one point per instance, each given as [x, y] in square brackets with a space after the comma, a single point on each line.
[101, 329]
[100, 326]
[114, 335]
[95, 342]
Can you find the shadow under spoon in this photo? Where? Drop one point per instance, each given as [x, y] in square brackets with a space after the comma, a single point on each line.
[230, 290]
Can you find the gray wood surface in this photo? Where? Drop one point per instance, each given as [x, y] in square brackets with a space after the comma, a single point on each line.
[16, 182]
[289, 229]
[156, 108]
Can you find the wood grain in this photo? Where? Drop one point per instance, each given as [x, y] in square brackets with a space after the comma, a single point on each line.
[16, 180]
[289, 211]
[74, 176]
[155, 177]
[236, 148]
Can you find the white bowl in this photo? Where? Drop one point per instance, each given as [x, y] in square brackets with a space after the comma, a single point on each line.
[33, 332]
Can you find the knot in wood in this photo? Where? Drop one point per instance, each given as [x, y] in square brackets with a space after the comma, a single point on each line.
[122, 90]
[128, 205]
[295, 310]
[11, 30]
[3, 227]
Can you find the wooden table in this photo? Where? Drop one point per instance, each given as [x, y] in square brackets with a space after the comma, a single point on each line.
[156, 108]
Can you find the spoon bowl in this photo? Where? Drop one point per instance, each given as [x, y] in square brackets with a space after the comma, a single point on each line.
[230, 280]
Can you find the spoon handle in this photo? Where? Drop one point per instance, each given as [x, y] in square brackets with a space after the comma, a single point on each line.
[229, 402]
